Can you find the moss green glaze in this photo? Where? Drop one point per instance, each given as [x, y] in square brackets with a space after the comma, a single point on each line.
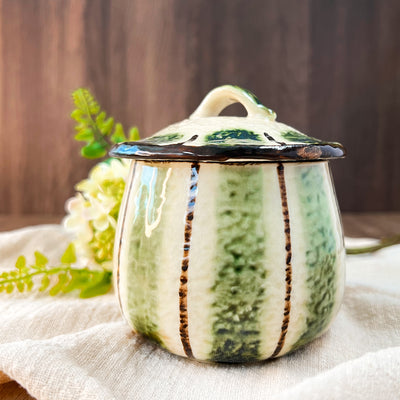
[294, 136]
[250, 94]
[205, 136]
[320, 250]
[240, 273]
[143, 255]
[240, 259]
[168, 138]
[255, 99]
[230, 135]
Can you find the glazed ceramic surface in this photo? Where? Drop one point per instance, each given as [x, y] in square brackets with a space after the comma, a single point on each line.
[226, 250]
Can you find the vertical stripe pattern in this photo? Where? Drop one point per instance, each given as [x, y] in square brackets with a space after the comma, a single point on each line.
[202, 263]
[183, 312]
[288, 269]
[146, 231]
[240, 273]
[274, 262]
[122, 221]
[257, 273]
[321, 249]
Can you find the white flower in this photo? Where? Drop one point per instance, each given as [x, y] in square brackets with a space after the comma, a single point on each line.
[93, 213]
[75, 221]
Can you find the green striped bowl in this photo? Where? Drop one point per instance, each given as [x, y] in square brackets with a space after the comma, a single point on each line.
[229, 261]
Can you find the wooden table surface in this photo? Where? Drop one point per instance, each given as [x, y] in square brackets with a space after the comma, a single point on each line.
[355, 225]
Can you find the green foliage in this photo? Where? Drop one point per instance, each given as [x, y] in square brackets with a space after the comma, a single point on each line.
[69, 256]
[94, 127]
[100, 133]
[55, 280]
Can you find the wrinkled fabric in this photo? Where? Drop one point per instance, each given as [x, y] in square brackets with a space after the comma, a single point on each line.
[67, 348]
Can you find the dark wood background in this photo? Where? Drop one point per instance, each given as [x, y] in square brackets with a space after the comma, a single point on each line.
[329, 67]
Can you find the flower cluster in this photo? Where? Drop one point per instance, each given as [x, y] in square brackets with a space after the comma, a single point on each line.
[92, 213]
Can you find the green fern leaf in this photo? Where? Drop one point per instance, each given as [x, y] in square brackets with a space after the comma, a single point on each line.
[40, 259]
[94, 150]
[62, 280]
[84, 135]
[59, 279]
[29, 283]
[94, 127]
[119, 134]
[102, 286]
[100, 118]
[21, 262]
[76, 281]
[69, 256]
[78, 115]
[45, 283]
[85, 101]
[134, 134]
[107, 126]
[20, 286]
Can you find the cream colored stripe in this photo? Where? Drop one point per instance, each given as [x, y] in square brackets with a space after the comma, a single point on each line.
[201, 275]
[126, 234]
[169, 271]
[121, 226]
[300, 292]
[271, 312]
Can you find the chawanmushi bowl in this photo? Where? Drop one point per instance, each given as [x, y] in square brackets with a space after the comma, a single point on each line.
[229, 245]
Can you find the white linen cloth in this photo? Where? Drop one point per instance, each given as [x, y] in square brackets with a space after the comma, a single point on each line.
[66, 348]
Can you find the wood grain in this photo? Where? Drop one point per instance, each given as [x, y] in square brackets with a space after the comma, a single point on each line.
[330, 68]
[13, 391]
[356, 62]
[10, 222]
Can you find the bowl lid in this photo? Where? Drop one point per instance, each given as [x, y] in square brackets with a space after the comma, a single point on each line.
[205, 136]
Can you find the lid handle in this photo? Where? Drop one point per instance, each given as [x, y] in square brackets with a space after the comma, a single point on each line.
[223, 96]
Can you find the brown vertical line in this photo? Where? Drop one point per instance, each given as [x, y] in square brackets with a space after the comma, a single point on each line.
[183, 313]
[128, 194]
[288, 268]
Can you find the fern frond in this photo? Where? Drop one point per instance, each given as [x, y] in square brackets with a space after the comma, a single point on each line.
[85, 102]
[55, 279]
[94, 127]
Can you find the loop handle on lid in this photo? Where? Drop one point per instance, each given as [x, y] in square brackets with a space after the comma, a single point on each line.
[223, 96]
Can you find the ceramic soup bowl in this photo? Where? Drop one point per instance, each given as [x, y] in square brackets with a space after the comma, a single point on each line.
[229, 245]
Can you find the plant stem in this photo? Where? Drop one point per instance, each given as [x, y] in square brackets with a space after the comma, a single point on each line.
[97, 134]
[384, 242]
[50, 271]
